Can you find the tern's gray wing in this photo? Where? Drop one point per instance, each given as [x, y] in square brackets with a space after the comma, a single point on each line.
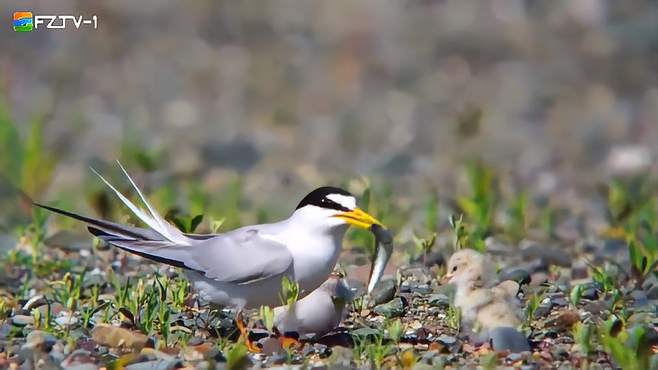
[240, 257]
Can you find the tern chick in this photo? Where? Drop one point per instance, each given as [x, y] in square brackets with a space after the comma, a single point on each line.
[319, 312]
[486, 305]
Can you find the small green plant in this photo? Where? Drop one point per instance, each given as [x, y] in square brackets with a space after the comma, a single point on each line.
[489, 361]
[518, 219]
[424, 246]
[642, 240]
[432, 213]
[464, 238]
[583, 335]
[394, 329]
[480, 202]
[627, 198]
[267, 315]
[236, 357]
[378, 350]
[576, 294]
[604, 277]
[534, 300]
[630, 349]
[289, 291]
[183, 222]
[454, 318]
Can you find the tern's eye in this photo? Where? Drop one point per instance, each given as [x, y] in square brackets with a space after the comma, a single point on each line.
[454, 269]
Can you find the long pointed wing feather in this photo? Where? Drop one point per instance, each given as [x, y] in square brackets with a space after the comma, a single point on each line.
[150, 221]
[171, 233]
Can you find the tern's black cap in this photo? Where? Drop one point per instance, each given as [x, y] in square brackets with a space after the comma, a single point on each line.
[318, 197]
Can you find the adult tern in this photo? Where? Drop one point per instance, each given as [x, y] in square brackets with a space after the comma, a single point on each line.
[242, 268]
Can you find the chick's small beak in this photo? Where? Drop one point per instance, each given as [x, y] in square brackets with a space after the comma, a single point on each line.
[359, 218]
[446, 278]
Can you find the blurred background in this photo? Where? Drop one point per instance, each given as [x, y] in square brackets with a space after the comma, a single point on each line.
[272, 99]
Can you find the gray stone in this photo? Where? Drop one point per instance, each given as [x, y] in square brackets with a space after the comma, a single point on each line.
[421, 288]
[652, 293]
[548, 255]
[447, 340]
[521, 276]
[394, 308]
[439, 300]
[384, 291]
[508, 339]
[155, 365]
[22, 320]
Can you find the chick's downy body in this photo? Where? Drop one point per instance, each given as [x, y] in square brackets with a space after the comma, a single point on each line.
[319, 312]
[485, 304]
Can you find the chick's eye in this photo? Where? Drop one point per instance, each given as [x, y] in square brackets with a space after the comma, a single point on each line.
[454, 269]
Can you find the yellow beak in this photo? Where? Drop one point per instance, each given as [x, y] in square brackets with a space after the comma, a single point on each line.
[446, 278]
[359, 218]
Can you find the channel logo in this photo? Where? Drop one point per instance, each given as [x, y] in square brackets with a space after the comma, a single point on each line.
[26, 22]
[23, 22]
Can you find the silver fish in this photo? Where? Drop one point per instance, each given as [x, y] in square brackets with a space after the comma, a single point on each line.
[383, 251]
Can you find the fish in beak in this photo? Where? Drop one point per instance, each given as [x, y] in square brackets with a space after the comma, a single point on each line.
[383, 251]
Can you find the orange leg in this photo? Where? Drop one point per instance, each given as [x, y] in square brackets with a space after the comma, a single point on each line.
[289, 342]
[244, 333]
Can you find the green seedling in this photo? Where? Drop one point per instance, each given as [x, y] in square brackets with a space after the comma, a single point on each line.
[630, 349]
[533, 304]
[236, 357]
[576, 294]
[629, 197]
[378, 350]
[583, 335]
[454, 318]
[642, 239]
[289, 292]
[603, 276]
[394, 329]
[489, 361]
[464, 238]
[184, 223]
[267, 315]
[432, 213]
[424, 246]
[518, 220]
[480, 202]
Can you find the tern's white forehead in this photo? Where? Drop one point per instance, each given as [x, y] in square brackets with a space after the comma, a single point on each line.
[346, 201]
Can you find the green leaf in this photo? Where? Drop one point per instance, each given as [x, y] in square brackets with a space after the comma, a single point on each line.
[195, 222]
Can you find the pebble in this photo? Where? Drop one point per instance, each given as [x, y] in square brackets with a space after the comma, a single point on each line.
[65, 319]
[87, 366]
[653, 292]
[421, 289]
[639, 298]
[548, 255]
[447, 340]
[514, 357]
[394, 308]
[543, 310]
[384, 291]
[154, 365]
[590, 293]
[40, 341]
[113, 336]
[439, 300]
[22, 320]
[521, 276]
[322, 350]
[508, 339]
